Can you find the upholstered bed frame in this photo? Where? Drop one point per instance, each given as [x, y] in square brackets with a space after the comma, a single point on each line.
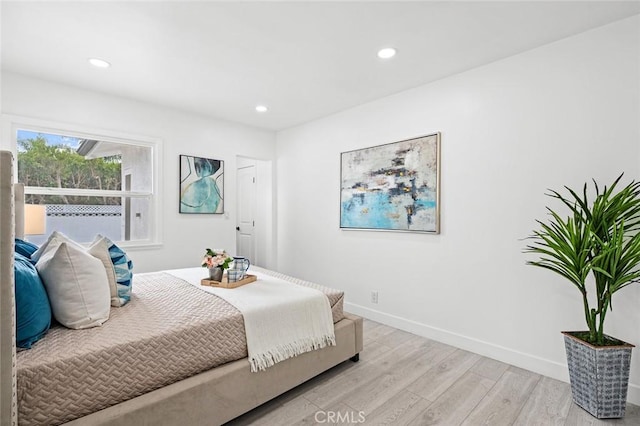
[212, 397]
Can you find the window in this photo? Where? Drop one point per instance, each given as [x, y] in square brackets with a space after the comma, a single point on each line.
[89, 184]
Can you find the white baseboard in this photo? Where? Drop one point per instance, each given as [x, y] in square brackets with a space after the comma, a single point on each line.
[529, 362]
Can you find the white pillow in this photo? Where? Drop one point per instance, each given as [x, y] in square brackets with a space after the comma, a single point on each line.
[100, 250]
[54, 240]
[76, 283]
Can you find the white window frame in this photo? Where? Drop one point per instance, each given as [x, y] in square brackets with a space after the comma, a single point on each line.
[10, 124]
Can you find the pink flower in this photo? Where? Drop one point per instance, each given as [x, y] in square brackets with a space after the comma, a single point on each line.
[213, 259]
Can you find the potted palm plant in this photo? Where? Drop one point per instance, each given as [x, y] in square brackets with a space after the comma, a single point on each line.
[596, 248]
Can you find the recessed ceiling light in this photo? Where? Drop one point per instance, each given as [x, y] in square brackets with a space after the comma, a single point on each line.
[100, 63]
[386, 53]
[262, 108]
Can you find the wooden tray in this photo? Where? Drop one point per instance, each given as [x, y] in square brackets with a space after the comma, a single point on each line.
[224, 284]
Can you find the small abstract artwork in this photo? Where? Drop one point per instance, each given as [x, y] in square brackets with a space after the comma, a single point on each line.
[201, 185]
[392, 187]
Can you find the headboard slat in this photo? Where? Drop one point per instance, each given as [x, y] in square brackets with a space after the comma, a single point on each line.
[18, 195]
[8, 397]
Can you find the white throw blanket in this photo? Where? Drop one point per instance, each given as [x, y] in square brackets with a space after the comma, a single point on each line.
[281, 319]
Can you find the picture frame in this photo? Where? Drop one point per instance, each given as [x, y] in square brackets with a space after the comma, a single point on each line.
[392, 187]
[201, 185]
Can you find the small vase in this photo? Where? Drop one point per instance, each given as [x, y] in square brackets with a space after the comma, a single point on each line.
[215, 274]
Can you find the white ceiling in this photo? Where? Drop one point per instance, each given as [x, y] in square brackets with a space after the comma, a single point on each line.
[304, 60]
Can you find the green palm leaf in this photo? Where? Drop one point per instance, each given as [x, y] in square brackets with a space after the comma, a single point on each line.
[598, 239]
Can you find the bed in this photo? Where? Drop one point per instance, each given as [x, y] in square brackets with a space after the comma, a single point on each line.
[218, 385]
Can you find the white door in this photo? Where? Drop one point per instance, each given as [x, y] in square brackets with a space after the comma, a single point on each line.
[245, 229]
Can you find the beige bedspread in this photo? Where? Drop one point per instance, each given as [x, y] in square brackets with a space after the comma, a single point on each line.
[169, 331]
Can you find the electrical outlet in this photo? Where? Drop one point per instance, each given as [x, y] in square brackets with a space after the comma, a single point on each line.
[374, 297]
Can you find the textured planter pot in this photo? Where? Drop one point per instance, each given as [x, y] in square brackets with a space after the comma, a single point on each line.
[599, 376]
[215, 274]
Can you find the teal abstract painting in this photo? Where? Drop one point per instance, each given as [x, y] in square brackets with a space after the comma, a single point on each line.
[392, 187]
[201, 185]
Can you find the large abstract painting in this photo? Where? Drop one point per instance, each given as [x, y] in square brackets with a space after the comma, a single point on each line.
[392, 187]
[201, 185]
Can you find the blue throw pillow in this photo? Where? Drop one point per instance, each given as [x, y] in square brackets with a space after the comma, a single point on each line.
[33, 312]
[123, 267]
[118, 266]
[25, 248]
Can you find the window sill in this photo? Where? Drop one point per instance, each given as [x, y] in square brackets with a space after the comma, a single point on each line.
[139, 245]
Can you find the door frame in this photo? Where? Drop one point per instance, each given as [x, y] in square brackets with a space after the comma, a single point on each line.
[242, 166]
[264, 243]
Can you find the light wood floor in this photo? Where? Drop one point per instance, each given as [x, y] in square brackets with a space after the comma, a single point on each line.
[404, 379]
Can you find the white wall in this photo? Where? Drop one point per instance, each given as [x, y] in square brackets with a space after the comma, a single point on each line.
[560, 114]
[184, 236]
